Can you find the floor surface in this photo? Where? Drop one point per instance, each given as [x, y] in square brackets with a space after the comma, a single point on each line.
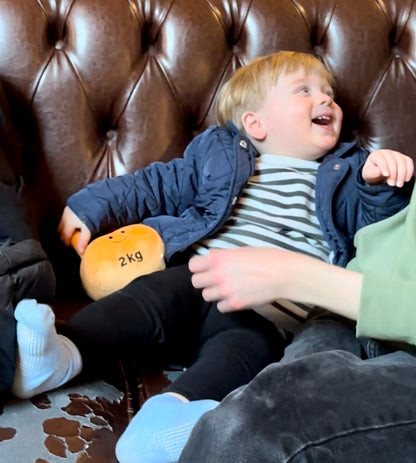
[76, 424]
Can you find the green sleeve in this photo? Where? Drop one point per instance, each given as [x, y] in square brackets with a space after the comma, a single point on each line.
[386, 256]
[387, 308]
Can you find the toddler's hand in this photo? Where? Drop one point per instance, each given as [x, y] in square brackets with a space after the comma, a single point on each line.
[388, 166]
[69, 225]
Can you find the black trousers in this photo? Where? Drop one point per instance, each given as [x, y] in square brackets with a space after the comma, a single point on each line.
[163, 319]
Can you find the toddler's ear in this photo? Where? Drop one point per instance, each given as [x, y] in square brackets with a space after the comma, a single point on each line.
[253, 125]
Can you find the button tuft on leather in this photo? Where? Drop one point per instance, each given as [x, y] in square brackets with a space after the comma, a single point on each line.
[110, 135]
[59, 45]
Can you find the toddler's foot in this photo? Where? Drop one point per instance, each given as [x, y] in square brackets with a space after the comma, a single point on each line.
[159, 431]
[45, 359]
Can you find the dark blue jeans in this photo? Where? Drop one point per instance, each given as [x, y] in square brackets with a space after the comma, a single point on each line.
[332, 399]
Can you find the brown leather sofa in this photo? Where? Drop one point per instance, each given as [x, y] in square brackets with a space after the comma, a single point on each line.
[98, 88]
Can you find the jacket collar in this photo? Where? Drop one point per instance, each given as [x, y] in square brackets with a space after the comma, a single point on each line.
[237, 133]
[340, 149]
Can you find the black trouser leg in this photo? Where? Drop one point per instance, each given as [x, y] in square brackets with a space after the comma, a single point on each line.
[152, 311]
[163, 313]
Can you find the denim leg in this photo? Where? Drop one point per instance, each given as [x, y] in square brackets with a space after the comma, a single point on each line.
[329, 407]
[7, 346]
[375, 348]
[320, 335]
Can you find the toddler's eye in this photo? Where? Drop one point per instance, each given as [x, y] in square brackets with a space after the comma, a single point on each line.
[330, 93]
[303, 89]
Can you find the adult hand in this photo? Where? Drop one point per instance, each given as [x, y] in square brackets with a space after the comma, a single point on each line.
[242, 277]
[246, 277]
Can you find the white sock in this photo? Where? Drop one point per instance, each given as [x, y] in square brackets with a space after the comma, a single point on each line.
[45, 360]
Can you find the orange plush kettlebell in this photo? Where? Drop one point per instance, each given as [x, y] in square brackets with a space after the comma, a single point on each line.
[113, 260]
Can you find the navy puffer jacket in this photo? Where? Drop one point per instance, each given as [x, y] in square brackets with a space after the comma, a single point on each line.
[190, 198]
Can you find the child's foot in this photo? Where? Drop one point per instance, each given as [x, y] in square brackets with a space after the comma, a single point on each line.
[45, 360]
[159, 431]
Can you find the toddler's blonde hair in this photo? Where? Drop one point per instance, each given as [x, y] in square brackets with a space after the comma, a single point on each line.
[248, 86]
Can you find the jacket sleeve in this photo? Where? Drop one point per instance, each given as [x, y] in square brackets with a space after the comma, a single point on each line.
[158, 189]
[378, 202]
[357, 204]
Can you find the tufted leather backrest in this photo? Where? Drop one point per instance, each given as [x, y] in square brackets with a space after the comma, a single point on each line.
[102, 87]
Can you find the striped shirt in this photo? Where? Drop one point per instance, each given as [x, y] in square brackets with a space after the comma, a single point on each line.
[276, 209]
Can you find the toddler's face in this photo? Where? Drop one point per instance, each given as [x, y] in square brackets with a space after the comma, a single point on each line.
[300, 116]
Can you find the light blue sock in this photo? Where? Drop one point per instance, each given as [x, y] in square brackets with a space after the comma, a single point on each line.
[45, 360]
[159, 431]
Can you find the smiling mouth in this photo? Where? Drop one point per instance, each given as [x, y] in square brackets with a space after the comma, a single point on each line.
[322, 120]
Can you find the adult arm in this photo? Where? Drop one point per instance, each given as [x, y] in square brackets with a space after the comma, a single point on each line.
[378, 289]
[245, 277]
